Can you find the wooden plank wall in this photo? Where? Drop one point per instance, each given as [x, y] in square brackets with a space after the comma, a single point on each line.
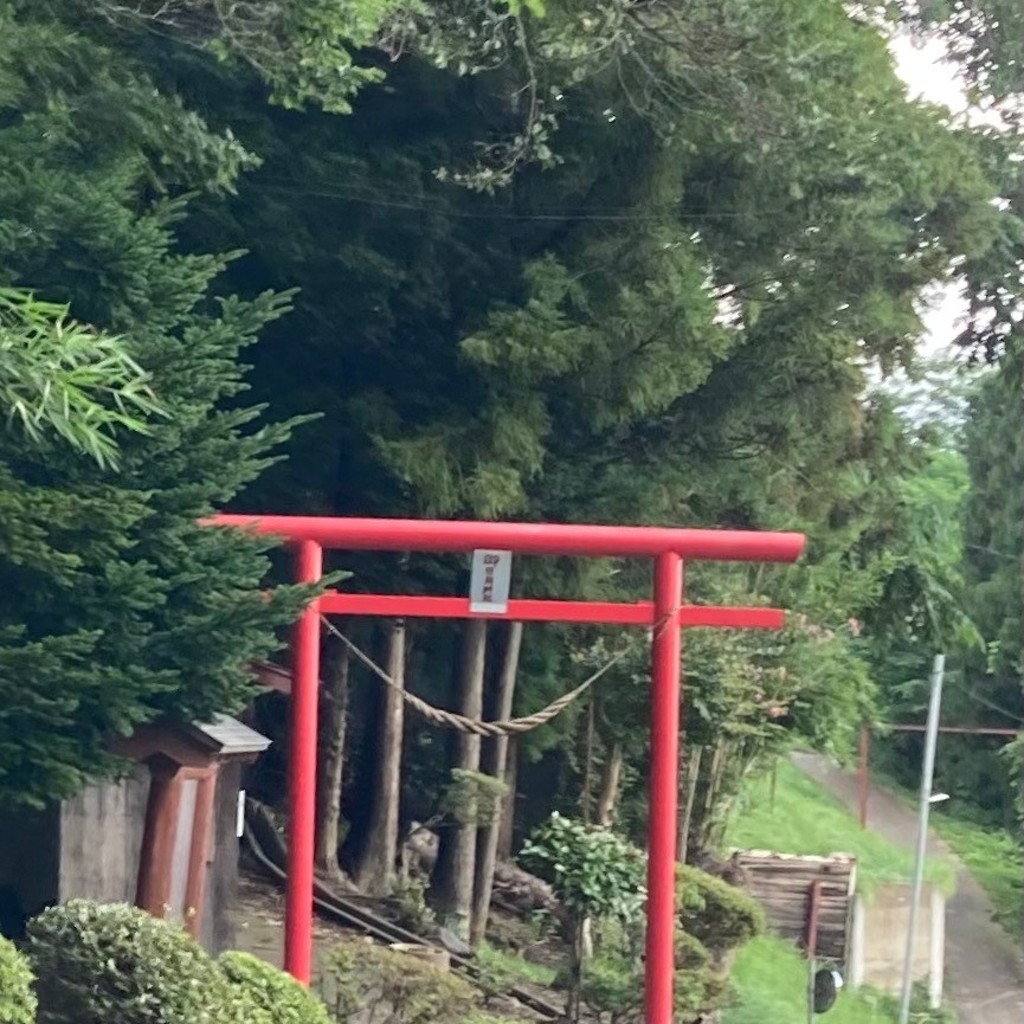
[781, 883]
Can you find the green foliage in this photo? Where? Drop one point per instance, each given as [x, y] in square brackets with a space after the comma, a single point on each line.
[714, 918]
[594, 872]
[805, 819]
[302, 49]
[676, 322]
[721, 916]
[472, 797]
[17, 999]
[397, 987]
[410, 897]
[276, 997]
[60, 377]
[501, 970]
[700, 984]
[994, 857]
[118, 965]
[481, 1017]
[613, 988]
[984, 39]
[770, 982]
[116, 603]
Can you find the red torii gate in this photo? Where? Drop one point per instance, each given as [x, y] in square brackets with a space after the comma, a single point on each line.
[666, 613]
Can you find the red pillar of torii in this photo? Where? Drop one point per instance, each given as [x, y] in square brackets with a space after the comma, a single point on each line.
[666, 613]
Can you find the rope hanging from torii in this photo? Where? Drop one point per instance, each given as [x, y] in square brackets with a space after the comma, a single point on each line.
[451, 720]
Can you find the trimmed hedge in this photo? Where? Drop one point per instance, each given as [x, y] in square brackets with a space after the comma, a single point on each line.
[614, 987]
[277, 997]
[114, 964]
[17, 1000]
[720, 915]
[403, 989]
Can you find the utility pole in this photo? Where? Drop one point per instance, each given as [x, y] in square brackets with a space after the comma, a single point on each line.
[927, 774]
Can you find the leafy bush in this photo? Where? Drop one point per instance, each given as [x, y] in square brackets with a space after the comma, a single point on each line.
[398, 988]
[414, 913]
[114, 964]
[595, 872]
[276, 997]
[701, 983]
[613, 988]
[720, 915]
[17, 1001]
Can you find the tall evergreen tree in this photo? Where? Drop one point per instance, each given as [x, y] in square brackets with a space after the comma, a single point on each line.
[117, 606]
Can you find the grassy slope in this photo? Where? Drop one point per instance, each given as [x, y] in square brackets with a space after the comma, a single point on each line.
[994, 858]
[806, 819]
[990, 853]
[770, 975]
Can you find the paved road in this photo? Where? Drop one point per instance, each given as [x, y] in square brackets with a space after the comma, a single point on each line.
[985, 970]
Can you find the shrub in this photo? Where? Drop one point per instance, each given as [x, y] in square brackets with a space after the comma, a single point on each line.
[613, 988]
[399, 988]
[275, 996]
[701, 984]
[114, 964]
[720, 915]
[17, 1001]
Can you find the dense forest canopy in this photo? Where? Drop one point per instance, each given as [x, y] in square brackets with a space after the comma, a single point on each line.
[615, 261]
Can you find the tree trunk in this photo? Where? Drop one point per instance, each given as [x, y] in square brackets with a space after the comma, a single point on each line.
[714, 785]
[588, 761]
[575, 994]
[691, 776]
[333, 725]
[454, 873]
[487, 838]
[375, 870]
[608, 800]
[507, 831]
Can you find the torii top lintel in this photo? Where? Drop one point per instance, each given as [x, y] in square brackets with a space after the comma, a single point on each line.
[524, 538]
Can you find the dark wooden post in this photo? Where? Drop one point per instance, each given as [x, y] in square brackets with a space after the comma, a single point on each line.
[153, 890]
[199, 854]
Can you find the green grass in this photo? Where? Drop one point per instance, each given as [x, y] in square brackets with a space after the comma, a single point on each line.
[770, 979]
[990, 853]
[770, 975]
[806, 819]
[994, 858]
[505, 968]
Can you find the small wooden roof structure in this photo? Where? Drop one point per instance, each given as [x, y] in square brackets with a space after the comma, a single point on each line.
[195, 746]
[782, 884]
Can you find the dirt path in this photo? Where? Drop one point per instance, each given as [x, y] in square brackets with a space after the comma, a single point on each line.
[985, 970]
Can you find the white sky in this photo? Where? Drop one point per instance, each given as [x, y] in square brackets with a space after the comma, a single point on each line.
[929, 76]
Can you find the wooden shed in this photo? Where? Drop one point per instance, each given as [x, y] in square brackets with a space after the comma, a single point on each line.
[782, 884]
[165, 837]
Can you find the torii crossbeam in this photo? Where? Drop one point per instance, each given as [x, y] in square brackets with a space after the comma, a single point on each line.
[667, 547]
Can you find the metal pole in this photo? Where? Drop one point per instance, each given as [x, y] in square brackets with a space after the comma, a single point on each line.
[298, 920]
[864, 772]
[927, 773]
[813, 921]
[666, 654]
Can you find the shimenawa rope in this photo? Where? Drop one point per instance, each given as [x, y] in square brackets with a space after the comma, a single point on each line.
[451, 720]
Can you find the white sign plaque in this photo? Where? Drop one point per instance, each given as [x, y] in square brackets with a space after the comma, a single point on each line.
[489, 582]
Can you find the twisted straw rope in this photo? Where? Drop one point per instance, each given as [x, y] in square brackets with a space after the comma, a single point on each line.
[450, 720]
